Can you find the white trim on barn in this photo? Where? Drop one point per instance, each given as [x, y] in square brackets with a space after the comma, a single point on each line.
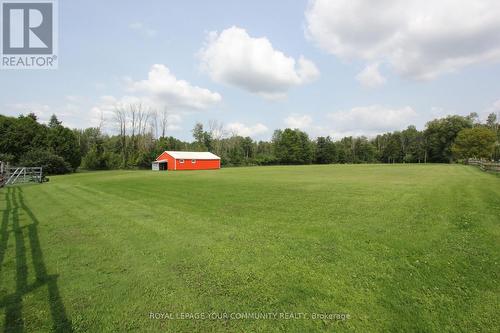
[155, 165]
[193, 155]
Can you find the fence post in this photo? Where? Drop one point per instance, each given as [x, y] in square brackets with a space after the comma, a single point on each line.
[485, 166]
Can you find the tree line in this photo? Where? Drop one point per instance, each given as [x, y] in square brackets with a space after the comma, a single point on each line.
[142, 135]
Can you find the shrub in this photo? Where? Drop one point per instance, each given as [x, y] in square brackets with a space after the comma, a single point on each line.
[477, 142]
[51, 163]
[113, 160]
[7, 158]
[143, 161]
[266, 160]
[93, 160]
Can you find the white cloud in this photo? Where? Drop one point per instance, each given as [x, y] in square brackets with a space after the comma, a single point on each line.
[174, 122]
[370, 77]
[42, 111]
[160, 90]
[306, 123]
[370, 120]
[234, 57]
[100, 86]
[73, 98]
[419, 39]
[163, 88]
[440, 112]
[141, 28]
[69, 112]
[495, 107]
[246, 130]
[103, 113]
[298, 121]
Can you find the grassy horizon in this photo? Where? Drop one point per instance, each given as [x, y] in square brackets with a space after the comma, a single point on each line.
[397, 247]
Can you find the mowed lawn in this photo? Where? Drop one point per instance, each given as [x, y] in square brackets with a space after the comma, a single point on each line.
[396, 247]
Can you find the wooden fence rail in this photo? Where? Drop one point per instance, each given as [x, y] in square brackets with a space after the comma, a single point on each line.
[484, 165]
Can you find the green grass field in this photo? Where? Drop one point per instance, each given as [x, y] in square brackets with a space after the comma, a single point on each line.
[396, 247]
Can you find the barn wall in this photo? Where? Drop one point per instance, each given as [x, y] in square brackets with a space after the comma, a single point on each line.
[199, 165]
[170, 159]
[187, 165]
[163, 156]
[171, 162]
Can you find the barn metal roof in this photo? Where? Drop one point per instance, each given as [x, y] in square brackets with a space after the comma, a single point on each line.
[193, 155]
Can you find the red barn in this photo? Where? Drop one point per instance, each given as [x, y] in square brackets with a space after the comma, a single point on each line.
[186, 160]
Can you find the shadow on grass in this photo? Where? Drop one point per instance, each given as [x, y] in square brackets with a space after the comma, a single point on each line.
[13, 303]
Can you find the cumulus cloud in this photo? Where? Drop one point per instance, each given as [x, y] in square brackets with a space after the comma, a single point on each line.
[235, 58]
[492, 108]
[246, 130]
[298, 121]
[102, 114]
[42, 111]
[141, 28]
[71, 111]
[495, 107]
[370, 77]
[163, 88]
[306, 123]
[419, 39]
[370, 120]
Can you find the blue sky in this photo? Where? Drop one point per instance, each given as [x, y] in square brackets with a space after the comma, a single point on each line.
[328, 67]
